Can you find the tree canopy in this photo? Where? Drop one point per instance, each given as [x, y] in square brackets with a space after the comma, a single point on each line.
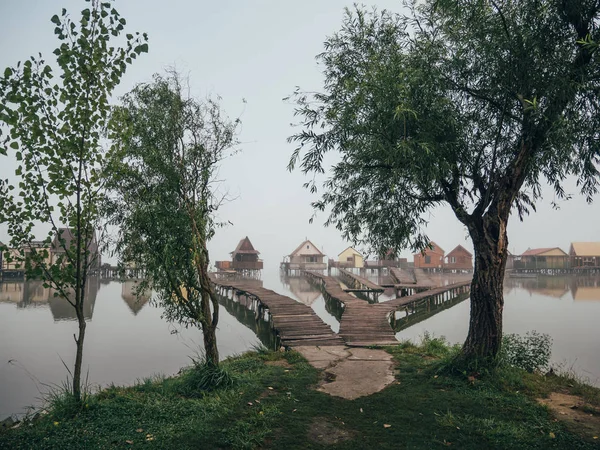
[471, 103]
[467, 103]
[54, 129]
[167, 150]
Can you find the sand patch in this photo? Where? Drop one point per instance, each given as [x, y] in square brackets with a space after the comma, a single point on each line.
[577, 415]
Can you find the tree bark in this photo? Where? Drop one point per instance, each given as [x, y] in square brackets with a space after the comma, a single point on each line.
[209, 332]
[79, 356]
[490, 242]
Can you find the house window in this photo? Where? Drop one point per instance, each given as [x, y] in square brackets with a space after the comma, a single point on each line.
[427, 259]
[452, 259]
[307, 246]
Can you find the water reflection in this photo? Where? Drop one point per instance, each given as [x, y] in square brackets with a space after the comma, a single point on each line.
[580, 288]
[245, 311]
[33, 294]
[329, 310]
[135, 300]
[418, 313]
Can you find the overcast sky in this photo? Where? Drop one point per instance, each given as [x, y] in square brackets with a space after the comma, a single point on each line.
[259, 51]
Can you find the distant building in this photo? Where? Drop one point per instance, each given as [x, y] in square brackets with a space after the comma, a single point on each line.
[64, 239]
[459, 259]
[351, 258]
[584, 254]
[430, 258]
[543, 259]
[243, 259]
[305, 257]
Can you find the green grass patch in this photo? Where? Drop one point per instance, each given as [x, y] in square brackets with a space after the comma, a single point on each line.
[268, 401]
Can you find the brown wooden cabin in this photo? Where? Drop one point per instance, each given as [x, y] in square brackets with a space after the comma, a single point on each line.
[459, 259]
[584, 255]
[67, 236]
[542, 259]
[245, 256]
[430, 258]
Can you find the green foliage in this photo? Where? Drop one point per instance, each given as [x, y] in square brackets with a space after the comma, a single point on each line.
[167, 149]
[424, 410]
[53, 127]
[458, 102]
[204, 377]
[530, 352]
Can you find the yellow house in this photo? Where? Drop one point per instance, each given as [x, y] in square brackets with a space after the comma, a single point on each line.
[351, 258]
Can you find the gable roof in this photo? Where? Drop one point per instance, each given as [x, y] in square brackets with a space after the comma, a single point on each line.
[586, 248]
[460, 248]
[356, 252]
[245, 247]
[436, 249]
[541, 251]
[303, 244]
[67, 235]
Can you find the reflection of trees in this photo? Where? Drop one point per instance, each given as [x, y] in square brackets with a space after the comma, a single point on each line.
[32, 293]
[128, 294]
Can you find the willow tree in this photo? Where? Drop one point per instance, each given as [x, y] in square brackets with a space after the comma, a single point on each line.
[167, 149]
[52, 128]
[472, 103]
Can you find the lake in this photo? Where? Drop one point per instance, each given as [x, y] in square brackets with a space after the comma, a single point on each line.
[127, 340]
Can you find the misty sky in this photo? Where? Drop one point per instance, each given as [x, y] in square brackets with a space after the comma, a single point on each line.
[259, 51]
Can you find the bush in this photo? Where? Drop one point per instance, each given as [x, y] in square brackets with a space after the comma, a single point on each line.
[204, 377]
[530, 352]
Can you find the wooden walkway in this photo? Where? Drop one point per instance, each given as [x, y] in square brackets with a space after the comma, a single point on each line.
[362, 324]
[365, 324]
[295, 323]
[368, 284]
[402, 276]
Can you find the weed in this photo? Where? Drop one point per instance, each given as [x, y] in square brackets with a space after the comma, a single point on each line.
[530, 352]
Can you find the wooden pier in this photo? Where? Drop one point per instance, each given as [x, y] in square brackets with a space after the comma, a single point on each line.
[365, 324]
[356, 283]
[295, 323]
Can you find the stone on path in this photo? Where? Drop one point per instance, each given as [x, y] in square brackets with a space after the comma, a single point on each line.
[350, 373]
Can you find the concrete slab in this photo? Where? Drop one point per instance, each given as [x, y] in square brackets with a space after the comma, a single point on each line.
[351, 373]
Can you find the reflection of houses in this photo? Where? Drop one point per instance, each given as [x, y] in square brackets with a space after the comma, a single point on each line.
[431, 257]
[303, 290]
[32, 293]
[585, 288]
[459, 259]
[349, 258]
[543, 259]
[244, 259]
[305, 257]
[129, 294]
[584, 254]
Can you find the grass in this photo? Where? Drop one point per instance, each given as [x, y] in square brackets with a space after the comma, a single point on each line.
[268, 402]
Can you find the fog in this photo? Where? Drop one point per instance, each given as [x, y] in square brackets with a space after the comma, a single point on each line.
[258, 52]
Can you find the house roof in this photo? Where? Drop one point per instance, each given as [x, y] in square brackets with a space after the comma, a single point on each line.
[460, 248]
[436, 249]
[351, 248]
[540, 251]
[67, 235]
[586, 248]
[319, 252]
[245, 247]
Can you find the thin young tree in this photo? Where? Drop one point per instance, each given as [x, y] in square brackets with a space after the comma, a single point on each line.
[52, 118]
[168, 148]
[470, 103]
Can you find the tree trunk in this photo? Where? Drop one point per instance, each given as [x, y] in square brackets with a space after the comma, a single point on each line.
[79, 356]
[487, 299]
[209, 332]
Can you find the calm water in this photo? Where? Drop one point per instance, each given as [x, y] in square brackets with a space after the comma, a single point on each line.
[127, 340]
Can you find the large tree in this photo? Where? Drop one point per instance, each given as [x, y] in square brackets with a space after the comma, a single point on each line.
[471, 103]
[53, 128]
[166, 153]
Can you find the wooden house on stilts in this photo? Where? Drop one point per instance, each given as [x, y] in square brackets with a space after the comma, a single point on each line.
[244, 260]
